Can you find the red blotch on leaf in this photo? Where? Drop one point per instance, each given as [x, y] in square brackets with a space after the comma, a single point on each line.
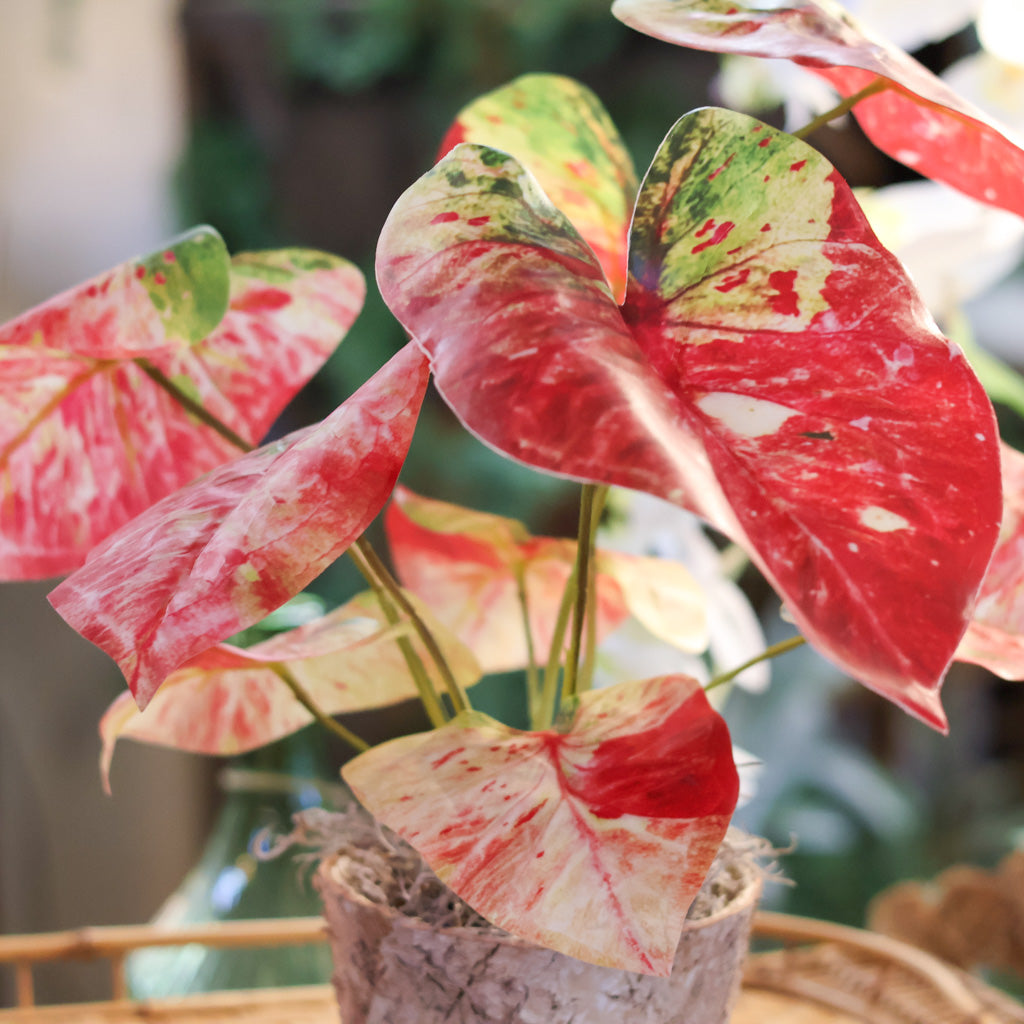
[446, 757]
[674, 769]
[715, 173]
[261, 300]
[720, 235]
[786, 301]
[445, 218]
[733, 281]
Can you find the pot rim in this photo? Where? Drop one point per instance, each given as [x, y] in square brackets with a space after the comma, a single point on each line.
[752, 877]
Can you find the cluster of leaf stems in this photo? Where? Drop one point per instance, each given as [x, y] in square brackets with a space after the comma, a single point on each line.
[551, 694]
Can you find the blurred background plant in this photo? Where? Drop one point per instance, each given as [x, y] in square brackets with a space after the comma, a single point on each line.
[299, 122]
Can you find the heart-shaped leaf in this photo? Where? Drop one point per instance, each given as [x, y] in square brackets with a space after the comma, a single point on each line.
[995, 638]
[917, 119]
[228, 700]
[558, 129]
[475, 570]
[772, 369]
[223, 552]
[81, 418]
[593, 841]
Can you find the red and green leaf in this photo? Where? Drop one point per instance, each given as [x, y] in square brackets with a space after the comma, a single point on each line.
[558, 129]
[228, 700]
[593, 841]
[223, 552]
[80, 416]
[995, 638]
[917, 119]
[771, 369]
[475, 570]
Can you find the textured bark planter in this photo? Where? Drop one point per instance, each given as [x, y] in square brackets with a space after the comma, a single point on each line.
[395, 968]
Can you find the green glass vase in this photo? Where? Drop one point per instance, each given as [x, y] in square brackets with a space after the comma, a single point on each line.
[232, 882]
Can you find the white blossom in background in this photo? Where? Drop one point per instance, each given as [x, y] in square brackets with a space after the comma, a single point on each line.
[993, 78]
[954, 247]
[645, 525]
[1001, 30]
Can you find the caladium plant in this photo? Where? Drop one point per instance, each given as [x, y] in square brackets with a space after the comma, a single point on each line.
[728, 335]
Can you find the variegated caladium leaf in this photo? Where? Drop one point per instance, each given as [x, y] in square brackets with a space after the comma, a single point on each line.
[228, 700]
[917, 119]
[474, 569]
[88, 440]
[558, 129]
[221, 553]
[592, 841]
[772, 369]
[995, 637]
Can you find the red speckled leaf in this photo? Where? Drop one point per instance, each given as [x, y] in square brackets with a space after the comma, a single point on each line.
[88, 440]
[223, 552]
[592, 842]
[854, 443]
[228, 700]
[772, 369]
[468, 566]
[995, 638]
[918, 120]
[525, 340]
[558, 129]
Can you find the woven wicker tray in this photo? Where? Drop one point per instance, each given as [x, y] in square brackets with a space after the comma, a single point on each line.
[823, 974]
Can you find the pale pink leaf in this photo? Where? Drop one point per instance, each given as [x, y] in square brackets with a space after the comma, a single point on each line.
[88, 440]
[228, 700]
[592, 842]
[475, 568]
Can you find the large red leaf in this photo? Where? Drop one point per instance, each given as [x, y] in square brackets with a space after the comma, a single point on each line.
[228, 700]
[88, 440]
[772, 369]
[593, 841]
[918, 119]
[559, 130]
[471, 566]
[223, 552]
[995, 638]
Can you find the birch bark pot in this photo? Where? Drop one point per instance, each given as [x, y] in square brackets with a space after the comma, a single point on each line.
[393, 968]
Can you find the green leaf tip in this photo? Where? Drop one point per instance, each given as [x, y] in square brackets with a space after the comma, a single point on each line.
[188, 281]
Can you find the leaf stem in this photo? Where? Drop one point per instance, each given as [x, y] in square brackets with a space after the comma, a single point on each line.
[424, 686]
[549, 701]
[586, 676]
[302, 696]
[533, 687]
[591, 500]
[843, 107]
[769, 652]
[188, 403]
[378, 571]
